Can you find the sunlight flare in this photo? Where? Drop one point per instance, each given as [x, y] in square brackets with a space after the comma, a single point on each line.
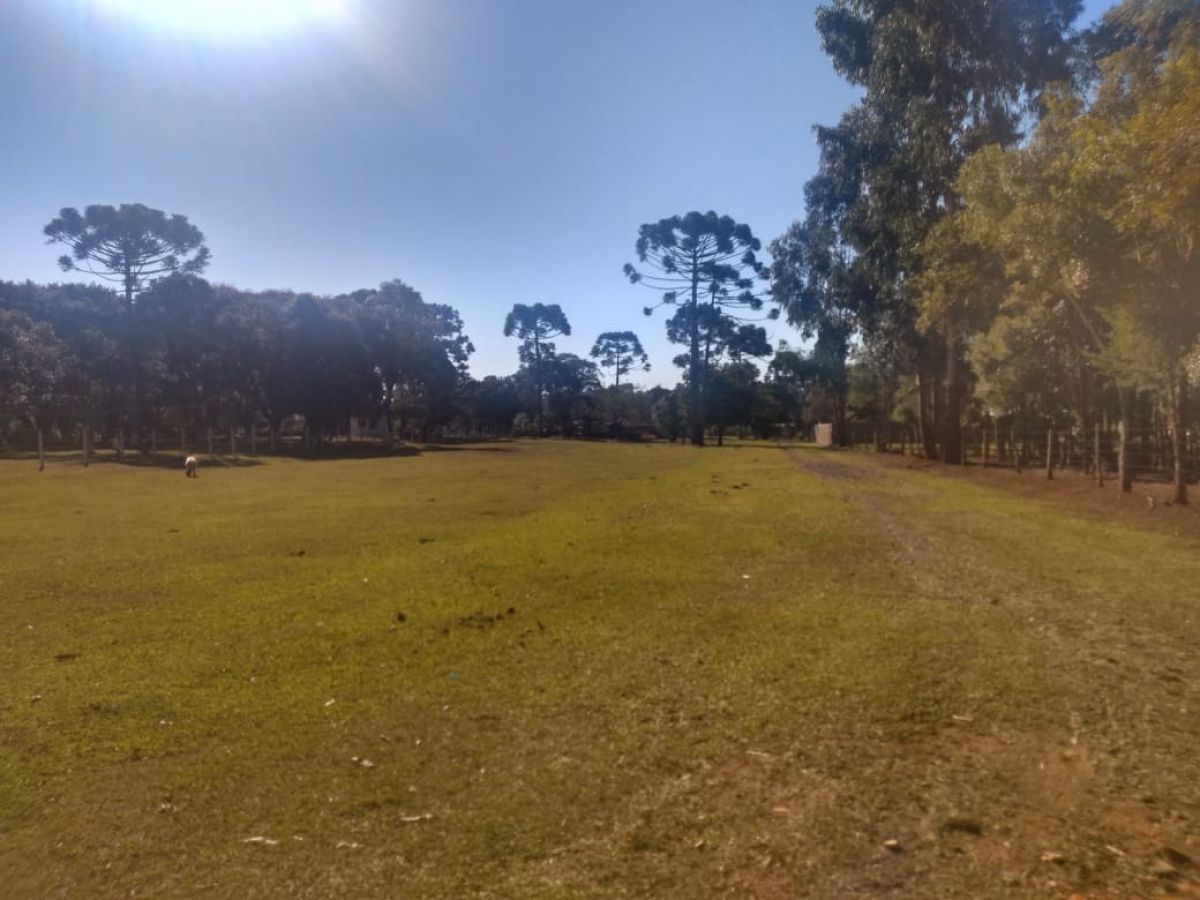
[228, 18]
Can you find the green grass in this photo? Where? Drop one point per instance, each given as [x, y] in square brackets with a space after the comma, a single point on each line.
[210, 655]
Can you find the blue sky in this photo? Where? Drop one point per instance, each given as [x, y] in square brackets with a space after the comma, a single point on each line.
[487, 152]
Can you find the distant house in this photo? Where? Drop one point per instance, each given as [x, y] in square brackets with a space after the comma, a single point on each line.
[364, 427]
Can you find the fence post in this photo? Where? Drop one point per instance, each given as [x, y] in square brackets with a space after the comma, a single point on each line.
[254, 440]
[120, 443]
[41, 451]
[232, 440]
[153, 439]
[1096, 455]
[210, 442]
[1050, 454]
[182, 441]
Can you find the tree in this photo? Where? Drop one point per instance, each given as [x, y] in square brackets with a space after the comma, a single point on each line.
[734, 392]
[536, 325]
[130, 245]
[570, 385]
[419, 349]
[32, 366]
[1138, 145]
[620, 351]
[940, 80]
[699, 260]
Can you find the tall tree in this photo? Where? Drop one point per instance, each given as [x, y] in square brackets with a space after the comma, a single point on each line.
[129, 245]
[620, 351]
[694, 261]
[940, 80]
[537, 324]
[1137, 147]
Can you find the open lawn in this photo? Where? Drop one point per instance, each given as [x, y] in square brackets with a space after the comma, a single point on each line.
[547, 669]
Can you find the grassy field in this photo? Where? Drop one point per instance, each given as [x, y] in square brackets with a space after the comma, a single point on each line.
[546, 669]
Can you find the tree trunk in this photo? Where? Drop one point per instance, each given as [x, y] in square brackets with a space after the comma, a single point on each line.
[1124, 475]
[41, 451]
[1050, 454]
[1099, 463]
[952, 415]
[695, 390]
[1177, 389]
[925, 430]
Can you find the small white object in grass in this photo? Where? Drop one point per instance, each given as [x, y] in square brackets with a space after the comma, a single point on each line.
[420, 817]
[330, 702]
[363, 761]
[893, 845]
[746, 576]
[347, 845]
[259, 839]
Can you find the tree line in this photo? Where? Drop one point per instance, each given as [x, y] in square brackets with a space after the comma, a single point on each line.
[1002, 231]
[162, 351]
[1000, 238]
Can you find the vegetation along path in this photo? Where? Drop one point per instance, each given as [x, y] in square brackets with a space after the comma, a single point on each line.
[547, 669]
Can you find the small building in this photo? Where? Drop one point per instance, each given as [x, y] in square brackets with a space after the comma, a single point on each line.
[824, 434]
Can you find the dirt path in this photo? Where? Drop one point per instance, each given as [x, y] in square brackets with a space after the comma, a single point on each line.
[1106, 802]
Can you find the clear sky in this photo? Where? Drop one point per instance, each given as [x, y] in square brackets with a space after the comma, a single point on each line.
[486, 152]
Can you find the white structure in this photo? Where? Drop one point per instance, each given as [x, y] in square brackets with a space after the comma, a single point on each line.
[362, 427]
[824, 432]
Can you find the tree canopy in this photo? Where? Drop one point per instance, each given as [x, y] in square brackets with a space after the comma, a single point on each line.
[129, 245]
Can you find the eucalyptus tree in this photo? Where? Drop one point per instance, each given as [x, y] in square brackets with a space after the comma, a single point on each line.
[620, 352]
[129, 245]
[940, 80]
[695, 261]
[1137, 146]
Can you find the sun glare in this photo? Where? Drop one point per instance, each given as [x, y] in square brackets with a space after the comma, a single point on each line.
[228, 18]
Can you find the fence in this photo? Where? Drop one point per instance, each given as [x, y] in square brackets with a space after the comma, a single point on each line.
[84, 445]
[1149, 454]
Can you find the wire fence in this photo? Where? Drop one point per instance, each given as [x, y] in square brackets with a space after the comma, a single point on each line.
[1149, 452]
[83, 444]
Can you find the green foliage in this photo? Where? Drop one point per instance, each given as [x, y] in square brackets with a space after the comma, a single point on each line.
[620, 351]
[32, 365]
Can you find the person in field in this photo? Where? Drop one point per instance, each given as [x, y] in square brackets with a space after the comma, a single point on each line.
[189, 465]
